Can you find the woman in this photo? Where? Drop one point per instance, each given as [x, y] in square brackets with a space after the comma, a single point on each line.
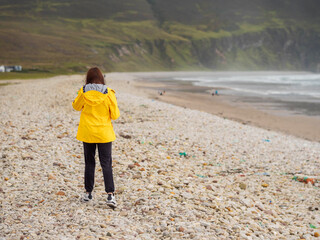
[98, 105]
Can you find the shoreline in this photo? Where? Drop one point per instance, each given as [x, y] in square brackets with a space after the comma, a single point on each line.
[194, 97]
[185, 94]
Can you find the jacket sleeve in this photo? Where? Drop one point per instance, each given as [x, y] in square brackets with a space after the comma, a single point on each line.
[78, 103]
[114, 110]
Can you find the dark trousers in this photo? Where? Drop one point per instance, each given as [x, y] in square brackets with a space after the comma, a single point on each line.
[104, 150]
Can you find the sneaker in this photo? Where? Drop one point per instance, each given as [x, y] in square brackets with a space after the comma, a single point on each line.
[87, 197]
[111, 201]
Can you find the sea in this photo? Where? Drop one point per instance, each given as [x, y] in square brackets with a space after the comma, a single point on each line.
[294, 92]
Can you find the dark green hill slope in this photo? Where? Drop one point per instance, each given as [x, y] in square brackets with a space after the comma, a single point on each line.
[131, 35]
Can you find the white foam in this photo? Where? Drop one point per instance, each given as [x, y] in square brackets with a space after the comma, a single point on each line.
[286, 84]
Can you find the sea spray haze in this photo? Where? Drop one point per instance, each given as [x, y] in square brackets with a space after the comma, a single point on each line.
[132, 35]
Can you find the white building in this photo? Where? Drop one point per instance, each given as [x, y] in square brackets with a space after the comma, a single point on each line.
[18, 68]
[15, 68]
[8, 68]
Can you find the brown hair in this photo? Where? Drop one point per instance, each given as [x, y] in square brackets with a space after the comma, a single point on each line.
[94, 75]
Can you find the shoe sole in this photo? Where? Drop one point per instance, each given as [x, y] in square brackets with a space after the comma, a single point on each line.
[83, 200]
[113, 206]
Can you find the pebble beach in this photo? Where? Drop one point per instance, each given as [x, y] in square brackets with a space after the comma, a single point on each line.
[179, 173]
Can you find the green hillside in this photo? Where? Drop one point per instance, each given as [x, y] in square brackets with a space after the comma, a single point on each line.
[142, 35]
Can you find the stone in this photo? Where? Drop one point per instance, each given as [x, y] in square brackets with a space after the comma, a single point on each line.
[126, 136]
[204, 224]
[313, 208]
[270, 212]
[26, 156]
[51, 177]
[259, 206]
[61, 193]
[131, 166]
[120, 190]
[187, 195]
[140, 201]
[123, 213]
[242, 186]
[137, 176]
[166, 234]
[247, 202]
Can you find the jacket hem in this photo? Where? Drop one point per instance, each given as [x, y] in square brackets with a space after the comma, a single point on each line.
[86, 141]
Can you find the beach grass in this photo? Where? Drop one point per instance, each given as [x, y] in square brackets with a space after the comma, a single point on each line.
[26, 75]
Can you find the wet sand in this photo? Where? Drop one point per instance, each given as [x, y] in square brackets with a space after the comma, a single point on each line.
[186, 95]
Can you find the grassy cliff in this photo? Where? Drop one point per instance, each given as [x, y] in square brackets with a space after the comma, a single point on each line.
[58, 36]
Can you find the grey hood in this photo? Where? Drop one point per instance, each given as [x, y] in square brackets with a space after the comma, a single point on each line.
[96, 87]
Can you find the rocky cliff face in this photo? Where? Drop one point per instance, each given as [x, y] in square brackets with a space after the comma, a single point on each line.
[272, 49]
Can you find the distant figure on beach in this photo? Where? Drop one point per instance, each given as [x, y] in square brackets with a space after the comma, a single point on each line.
[98, 105]
[214, 93]
[161, 92]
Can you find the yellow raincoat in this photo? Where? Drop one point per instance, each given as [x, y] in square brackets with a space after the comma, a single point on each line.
[97, 110]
